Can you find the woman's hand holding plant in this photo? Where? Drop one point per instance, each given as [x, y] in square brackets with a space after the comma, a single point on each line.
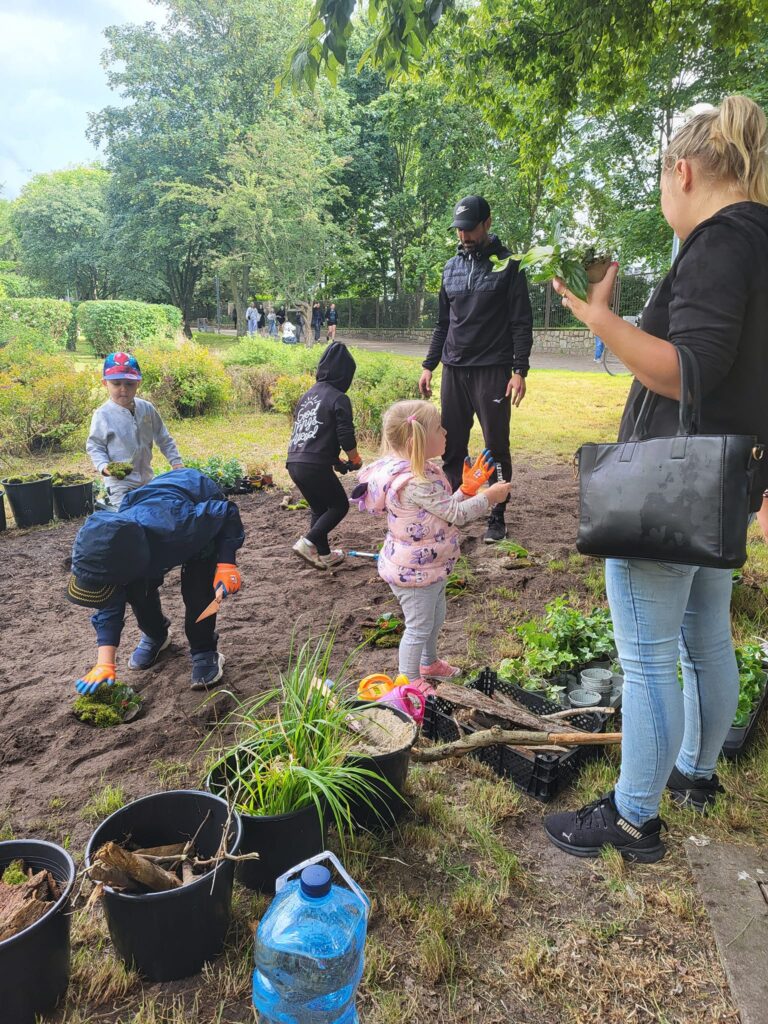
[597, 308]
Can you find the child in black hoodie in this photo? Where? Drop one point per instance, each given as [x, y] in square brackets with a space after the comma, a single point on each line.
[322, 427]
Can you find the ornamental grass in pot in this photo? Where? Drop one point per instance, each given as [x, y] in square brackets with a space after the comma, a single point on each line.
[288, 771]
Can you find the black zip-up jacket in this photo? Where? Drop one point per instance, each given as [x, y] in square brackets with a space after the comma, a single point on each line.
[714, 301]
[323, 420]
[484, 316]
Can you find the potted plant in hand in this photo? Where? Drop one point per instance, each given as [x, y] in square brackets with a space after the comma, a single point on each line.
[292, 767]
[578, 266]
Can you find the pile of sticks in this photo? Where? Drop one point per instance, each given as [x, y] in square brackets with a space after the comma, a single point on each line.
[502, 719]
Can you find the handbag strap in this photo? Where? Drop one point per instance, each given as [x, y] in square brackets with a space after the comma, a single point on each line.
[690, 398]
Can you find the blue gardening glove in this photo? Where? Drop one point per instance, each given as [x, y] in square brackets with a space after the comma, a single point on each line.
[100, 675]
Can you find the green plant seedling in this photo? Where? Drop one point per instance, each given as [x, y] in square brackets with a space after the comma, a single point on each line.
[110, 705]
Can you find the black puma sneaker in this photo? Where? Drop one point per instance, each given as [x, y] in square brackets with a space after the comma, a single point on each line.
[698, 794]
[584, 833]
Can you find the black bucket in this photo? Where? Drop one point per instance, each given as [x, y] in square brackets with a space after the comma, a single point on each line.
[31, 503]
[281, 840]
[3, 523]
[387, 803]
[170, 935]
[34, 965]
[73, 501]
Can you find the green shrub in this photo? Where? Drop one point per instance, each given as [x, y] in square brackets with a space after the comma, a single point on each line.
[252, 386]
[47, 317]
[288, 389]
[187, 381]
[114, 325]
[44, 403]
[16, 286]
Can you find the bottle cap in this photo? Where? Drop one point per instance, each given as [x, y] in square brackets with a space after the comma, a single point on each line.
[316, 881]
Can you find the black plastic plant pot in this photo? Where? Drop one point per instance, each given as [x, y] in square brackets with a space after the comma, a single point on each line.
[281, 841]
[34, 965]
[386, 802]
[170, 935]
[73, 501]
[3, 523]
[31, 503]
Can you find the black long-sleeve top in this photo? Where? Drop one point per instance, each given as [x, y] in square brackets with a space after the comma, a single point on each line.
[484, 315]
[714, 300]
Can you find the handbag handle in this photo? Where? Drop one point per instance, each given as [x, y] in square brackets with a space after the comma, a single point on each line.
[690, 398]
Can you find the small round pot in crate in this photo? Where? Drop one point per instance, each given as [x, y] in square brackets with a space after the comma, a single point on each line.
[581, 698]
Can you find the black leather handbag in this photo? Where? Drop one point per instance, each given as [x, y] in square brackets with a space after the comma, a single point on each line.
[681, 499]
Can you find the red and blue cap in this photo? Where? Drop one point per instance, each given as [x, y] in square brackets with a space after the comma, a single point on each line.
[121, 366]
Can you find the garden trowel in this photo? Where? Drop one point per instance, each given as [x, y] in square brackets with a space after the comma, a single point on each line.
[213, 607]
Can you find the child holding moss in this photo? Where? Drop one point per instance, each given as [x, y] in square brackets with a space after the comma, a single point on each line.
[124, 429]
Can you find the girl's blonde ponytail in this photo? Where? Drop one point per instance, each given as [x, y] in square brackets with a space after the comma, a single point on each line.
[405, 429]
[730, 143]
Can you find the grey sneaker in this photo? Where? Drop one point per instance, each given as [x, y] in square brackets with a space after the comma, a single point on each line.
[207, 669]
[306, 550]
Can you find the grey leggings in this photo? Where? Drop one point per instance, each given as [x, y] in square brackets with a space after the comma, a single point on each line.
[424, 613]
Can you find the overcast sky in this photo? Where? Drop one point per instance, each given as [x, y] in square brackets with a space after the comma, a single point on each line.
[51, 77]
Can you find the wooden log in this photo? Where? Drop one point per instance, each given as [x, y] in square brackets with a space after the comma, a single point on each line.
[491, 737]
[112, 857]
[508, 711]
[174, 851]
[23, 904]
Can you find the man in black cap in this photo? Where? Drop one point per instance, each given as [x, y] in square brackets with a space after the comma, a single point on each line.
[483, 338]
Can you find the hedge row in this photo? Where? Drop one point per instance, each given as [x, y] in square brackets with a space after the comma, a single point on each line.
[48, 317]
[274, 376]
[113, 325]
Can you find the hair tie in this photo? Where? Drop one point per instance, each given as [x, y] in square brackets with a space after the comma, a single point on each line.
[411, 419]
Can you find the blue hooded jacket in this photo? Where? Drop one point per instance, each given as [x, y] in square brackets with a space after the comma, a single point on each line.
[158, 526]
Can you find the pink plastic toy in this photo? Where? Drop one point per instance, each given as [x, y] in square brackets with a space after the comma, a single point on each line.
[408, 699]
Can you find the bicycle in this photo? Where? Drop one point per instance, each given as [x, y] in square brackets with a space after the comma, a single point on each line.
[610, 362]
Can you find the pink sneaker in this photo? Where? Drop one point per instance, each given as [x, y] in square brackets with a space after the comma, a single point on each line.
[423, 686]
[439, 670]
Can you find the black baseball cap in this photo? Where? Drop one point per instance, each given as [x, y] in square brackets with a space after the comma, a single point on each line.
[469, 212]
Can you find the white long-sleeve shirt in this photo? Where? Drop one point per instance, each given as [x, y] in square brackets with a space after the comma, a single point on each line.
[122, 435]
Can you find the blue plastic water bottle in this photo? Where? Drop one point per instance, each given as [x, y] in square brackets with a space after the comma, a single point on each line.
[309, 948]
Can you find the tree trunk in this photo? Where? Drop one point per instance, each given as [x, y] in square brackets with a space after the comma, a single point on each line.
[181, 279]
[240, 281]
[305, 308]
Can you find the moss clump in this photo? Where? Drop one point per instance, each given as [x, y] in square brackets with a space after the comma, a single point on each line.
[119, 470]
[32, 478]
[69, 479]
[15, 874]
[108, 706]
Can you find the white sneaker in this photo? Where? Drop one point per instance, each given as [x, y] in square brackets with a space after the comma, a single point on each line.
[306, 550]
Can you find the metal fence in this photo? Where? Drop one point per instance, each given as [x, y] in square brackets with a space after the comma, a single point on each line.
[414, 312]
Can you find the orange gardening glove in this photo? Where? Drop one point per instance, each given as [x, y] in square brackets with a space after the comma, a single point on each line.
[100, 675]
[228, 577]
[474, 476]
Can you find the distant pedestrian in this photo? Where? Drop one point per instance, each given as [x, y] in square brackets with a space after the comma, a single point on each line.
[599, 348]
[317, 319]
[252, 319]
[262, 320]
[333, 319]
[272, 323]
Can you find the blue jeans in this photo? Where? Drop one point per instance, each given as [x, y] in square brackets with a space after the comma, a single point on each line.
[662, 612]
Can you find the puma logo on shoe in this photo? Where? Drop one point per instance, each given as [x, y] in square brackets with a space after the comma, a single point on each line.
[568, 837]
[629, 829]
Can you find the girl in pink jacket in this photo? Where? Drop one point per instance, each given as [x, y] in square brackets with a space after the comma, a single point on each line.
[423, 517]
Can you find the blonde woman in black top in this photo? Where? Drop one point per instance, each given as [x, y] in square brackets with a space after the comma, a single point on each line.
[714, 300]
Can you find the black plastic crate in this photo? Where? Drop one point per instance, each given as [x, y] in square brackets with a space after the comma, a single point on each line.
[541, 776]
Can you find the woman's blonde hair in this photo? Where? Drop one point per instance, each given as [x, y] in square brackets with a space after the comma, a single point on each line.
[730, 144]
[405, 429]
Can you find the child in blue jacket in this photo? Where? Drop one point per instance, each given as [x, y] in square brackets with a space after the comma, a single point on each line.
[120, 558]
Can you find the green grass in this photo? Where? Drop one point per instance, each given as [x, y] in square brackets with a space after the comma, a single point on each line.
[104, 802]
